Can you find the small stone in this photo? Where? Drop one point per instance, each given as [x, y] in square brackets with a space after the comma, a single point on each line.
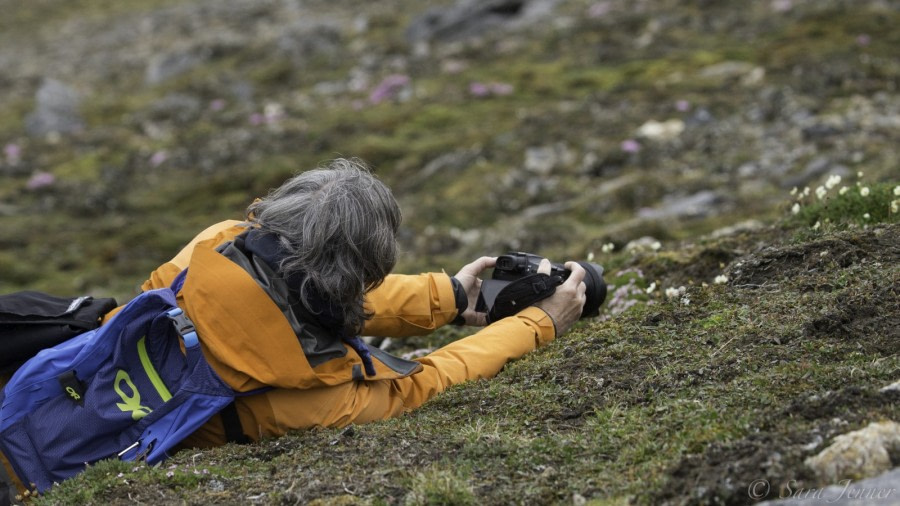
[860, 454]
[661, 130]
[56, 110]
[893, 387]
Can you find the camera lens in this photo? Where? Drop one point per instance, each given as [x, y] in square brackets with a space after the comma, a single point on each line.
[596, 289]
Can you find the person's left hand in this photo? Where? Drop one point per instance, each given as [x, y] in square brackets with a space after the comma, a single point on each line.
[471, 283]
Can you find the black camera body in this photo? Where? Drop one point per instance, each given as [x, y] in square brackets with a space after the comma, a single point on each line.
[515, 284]
[513, 266]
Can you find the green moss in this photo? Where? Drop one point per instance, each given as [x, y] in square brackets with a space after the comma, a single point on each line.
[440, 485]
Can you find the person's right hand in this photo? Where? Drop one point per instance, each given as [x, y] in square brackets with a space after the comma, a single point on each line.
[566, 304]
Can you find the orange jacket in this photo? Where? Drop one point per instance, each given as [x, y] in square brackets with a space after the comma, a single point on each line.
[250, 344]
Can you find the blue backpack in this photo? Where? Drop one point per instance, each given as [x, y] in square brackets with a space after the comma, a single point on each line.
[124, 390]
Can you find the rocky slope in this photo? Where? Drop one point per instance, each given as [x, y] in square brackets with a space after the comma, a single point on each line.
[732, 164]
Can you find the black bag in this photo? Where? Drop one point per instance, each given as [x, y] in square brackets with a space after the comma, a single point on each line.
[32, 321]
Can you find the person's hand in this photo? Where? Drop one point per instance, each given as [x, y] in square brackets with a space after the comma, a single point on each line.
[566, 304]
[471, 283]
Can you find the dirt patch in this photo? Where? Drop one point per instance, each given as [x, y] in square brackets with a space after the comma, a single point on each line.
[774, 263]
[864, 316]
[724, 472]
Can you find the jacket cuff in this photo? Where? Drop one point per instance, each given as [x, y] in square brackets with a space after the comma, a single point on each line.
[541, 322]
[462, 301]
[446, 297]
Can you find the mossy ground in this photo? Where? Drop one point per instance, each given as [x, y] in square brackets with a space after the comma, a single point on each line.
[669, 401]
[686, 400]
[583, 84]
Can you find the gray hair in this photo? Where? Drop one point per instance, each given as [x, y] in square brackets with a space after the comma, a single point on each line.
[339, 225]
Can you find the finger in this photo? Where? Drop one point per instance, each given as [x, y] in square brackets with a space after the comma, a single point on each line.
[577, 275]
[475, 268]
[582, 288]
[544, 267]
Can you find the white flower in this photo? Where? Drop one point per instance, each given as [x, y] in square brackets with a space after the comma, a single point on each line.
[843, 190]
[897, 191]
[652, 287]
[806, 192]
[608, 247]
[833, 180]
[895, 206]
[720, 279]
[796, 208]
[867, 216]
[820, 192]
[686, 301]
[590, 256]
[794, 190]
[675, 292]
[655, 246]
[817, 225]
[864, 191]
[859, 174]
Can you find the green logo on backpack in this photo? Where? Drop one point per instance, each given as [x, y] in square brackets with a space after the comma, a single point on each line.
[130, 403]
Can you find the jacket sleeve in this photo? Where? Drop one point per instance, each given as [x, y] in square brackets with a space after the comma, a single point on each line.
[410, 305]
[481, 355]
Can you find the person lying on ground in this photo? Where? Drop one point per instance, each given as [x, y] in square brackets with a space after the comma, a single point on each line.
[280, 299]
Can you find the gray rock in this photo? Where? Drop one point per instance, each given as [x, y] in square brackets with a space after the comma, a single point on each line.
[726, 70]
[299, 43]
[893, 387]
[737, 228]
[698, 205]
[163, 67]
[815, 169]
[542, 160]
[471, 18]
[862, 453]
[879, 491]
[56, 110]
[243, 91]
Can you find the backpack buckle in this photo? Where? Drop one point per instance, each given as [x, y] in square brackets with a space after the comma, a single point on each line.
[184, 326]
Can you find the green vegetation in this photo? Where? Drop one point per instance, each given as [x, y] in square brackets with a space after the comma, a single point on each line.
[784, 331]
[638, 408]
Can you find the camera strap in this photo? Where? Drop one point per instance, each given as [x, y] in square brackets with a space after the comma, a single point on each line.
[500, 299]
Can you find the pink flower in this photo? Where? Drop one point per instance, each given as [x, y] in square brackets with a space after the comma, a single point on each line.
[782, 5]
[257, 119]
[217, 104]
[453, 66]
[490, 89]
[598, 10]
[40, 180]
[479, 89]
[501, 89]
[631, 146]
[13, 153]
[863, 40]
[682, 106]
[158, 158]
[389, 88]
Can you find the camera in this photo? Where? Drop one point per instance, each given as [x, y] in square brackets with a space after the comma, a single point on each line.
[499, 298]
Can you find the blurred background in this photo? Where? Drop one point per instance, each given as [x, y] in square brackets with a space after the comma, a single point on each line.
[562, 127]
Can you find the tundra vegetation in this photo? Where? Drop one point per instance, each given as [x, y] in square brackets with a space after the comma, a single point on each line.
[733, 165]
